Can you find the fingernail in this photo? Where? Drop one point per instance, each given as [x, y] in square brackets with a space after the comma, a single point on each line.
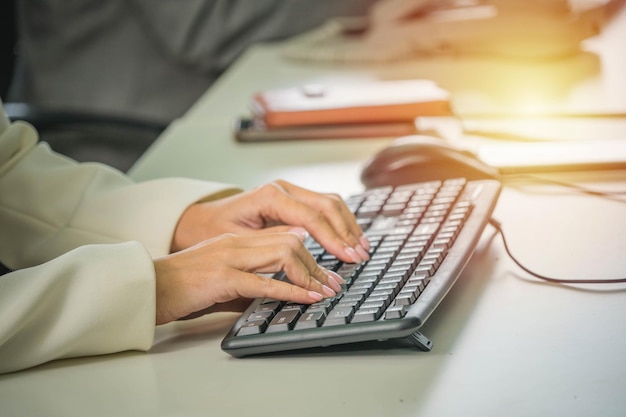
[362, 253]
[334, 284]
[353, 255]
[336, 276]
[315, 296]
[365, 242]
[329, 292]
[300, 232]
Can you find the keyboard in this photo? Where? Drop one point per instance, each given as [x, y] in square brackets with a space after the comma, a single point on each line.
[422, 236]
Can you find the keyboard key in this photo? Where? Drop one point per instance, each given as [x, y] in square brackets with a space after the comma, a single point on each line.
[363, 285]
[367, 278]
[395, 312]
[407, 295]
[293, 307]
[382, 301]
[310, 320]
[394, 279]
[418, 278]
[427, 269]
[252, 327]
[384, 289]
[418, 282]
[426, 229]
[366, 314]
[324, 304]
[273, 306]
[412, 230]
[283, 320]
[339, 316]
[263, 315]
[384, 294]
[434, 258]
[404, 299]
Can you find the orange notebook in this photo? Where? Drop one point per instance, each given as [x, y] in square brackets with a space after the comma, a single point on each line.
[371, 102]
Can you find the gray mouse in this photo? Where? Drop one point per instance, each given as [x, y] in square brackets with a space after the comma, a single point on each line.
[420, 158]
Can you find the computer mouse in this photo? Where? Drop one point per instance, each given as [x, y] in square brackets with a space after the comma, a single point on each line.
[419, 158]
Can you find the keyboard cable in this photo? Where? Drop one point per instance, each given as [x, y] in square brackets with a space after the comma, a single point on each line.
[496, 225]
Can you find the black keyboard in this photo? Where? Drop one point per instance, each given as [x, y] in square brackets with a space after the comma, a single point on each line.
[422, 235]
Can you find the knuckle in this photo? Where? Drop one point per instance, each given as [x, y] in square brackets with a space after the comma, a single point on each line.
[286, 252]
[309, 280]
[264, 190]
[268, 286]
[333, 203]
[315, 217]
[290, 292]
[273, 188]
[293, 242]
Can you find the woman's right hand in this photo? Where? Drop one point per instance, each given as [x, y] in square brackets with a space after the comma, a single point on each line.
[222, 272]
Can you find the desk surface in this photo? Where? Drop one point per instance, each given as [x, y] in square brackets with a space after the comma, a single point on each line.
[504, 344]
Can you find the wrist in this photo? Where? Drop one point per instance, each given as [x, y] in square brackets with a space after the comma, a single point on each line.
[163, 314]
[183, 236]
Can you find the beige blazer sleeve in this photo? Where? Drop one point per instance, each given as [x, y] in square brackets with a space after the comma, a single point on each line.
[82, 238]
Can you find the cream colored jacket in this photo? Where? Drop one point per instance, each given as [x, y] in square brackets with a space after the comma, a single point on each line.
[81, 238]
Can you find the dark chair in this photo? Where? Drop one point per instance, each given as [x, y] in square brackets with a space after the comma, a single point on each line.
[8, 37]
[89, 137]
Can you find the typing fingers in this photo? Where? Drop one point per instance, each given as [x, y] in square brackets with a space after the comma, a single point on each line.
[325, 217]
[226, 268]
[273, 252]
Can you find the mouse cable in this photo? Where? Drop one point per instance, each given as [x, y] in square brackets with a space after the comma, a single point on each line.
[496, 225]
[611, 195]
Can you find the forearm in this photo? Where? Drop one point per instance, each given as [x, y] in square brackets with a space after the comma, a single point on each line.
[50, 204]
[95, 300]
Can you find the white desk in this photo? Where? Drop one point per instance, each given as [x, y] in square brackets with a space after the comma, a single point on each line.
[504, 344]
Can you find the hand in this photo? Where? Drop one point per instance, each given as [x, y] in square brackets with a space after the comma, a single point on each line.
[387, 12]
[221, 274]
[518, 28]
[276, 207]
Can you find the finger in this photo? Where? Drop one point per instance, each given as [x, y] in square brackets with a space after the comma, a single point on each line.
[328, 220]
[237, 306]
[192, 280]
[335, 280]
[271, 253]
[328, 277]
[262, 253]
[250, 285]
[330, 204]
[298, 231]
